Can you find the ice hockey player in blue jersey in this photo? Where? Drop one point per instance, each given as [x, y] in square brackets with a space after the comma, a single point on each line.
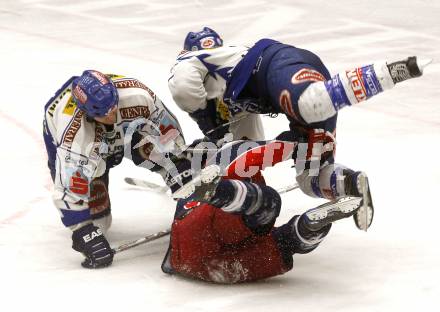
[90, 124]
[222, 85]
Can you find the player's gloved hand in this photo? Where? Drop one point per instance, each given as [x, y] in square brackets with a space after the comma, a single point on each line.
[411, 67]
[181, 174]
[184, 180]
[90, 241]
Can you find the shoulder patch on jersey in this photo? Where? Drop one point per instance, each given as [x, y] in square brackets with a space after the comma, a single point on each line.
[133, 83]
[307, 74]
[70, 107]
[222, 110]
[114, 76]
[191, 205]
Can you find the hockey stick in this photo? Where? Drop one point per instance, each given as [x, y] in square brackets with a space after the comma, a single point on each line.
[141, 241]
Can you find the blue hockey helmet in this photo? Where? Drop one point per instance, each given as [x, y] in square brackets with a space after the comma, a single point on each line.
[94, 93]
[205, 39]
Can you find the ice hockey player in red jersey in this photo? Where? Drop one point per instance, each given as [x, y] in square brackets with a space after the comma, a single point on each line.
[223, 85]
[90, 124]
[225, 232]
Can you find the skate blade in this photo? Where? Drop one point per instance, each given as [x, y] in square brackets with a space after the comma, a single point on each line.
[364, 216]
[339, 209]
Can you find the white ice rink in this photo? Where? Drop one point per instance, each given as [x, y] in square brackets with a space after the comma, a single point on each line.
[394, 137]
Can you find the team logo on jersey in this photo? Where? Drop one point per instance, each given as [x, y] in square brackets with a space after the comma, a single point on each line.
[191, 205]
[207, 42]
[80, 94]
[78, 183]
[357, 84]
[307, 74]
[286, 104]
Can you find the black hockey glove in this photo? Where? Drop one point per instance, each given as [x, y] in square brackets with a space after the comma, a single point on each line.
[185, 181]
[405, 69]
[213, 128]
[90, 241]
[180, 175]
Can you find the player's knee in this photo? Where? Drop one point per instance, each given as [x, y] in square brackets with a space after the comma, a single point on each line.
[327, 183]
[306, 181]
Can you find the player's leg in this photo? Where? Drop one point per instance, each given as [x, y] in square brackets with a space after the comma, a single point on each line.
[331, 181]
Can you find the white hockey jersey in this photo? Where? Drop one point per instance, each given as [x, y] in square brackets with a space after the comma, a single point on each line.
[81, 149]
[198, 76]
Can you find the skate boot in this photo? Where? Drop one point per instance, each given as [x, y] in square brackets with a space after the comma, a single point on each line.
[319, 217]
[356, 184]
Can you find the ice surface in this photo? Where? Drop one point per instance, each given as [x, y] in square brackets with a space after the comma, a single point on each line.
[394, 138]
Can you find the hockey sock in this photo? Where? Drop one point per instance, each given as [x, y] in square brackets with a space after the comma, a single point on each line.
[295, 237]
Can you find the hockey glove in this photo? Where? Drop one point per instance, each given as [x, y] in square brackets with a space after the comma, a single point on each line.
[180, 175]
[407, 68]
[90, 241]
[184, 181]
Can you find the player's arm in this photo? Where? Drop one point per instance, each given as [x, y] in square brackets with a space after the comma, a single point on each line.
[186, 85]
[77, 166]
[321, 100]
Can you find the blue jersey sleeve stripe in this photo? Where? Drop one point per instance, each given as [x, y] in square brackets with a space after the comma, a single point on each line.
[336, 91]
[371, 83]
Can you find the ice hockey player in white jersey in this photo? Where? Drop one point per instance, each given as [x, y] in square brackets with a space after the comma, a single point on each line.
[90, 124]
[276, 78]
[204, 102]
